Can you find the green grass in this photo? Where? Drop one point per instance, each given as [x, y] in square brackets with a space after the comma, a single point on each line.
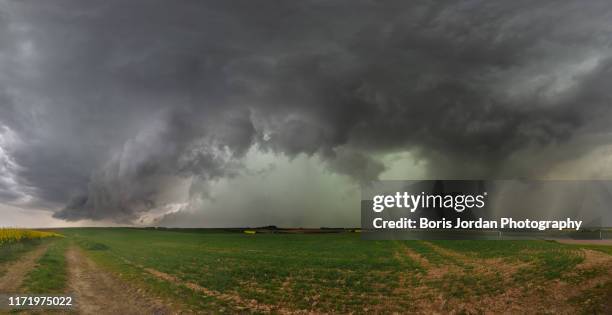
[601, 248]
[50, 274]
[324, 273]
[469, 285]
[268, 268]
[519, 250]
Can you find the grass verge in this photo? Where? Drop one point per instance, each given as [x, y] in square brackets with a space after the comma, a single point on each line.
[50, 274]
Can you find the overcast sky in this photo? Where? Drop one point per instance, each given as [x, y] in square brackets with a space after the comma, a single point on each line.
[235, 113]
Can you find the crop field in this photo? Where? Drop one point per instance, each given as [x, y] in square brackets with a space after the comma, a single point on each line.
[204, 271]
[14, 243]
[8, 235]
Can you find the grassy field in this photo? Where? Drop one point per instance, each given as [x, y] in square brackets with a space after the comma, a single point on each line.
[230, 272]
[196, 271]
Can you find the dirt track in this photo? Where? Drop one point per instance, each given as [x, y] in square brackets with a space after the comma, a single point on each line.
[16, 271]
[99, 292]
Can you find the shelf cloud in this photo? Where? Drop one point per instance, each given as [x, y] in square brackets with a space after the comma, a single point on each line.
[121, 110]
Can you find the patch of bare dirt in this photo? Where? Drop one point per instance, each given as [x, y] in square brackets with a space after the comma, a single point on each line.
[17, 270]
[595, 259]
[98, 292]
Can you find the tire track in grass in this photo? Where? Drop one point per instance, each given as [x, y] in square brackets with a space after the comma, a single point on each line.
[471, 284]
[236, 300]
[97, 291]
[11, 281]
[242, 304]
[435, 264]
[488, 281]
[414, 268]
[252, 305]
[425, 298]
[479, 265]
[594, 259]
[542, 296]
[412, 255]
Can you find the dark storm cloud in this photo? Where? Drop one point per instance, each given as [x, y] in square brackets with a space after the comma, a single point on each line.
[116, 102]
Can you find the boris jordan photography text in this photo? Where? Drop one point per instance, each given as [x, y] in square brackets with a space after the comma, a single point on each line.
[458, 203]
[458, 223]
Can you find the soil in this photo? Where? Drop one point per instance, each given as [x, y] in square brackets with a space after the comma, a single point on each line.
[16, 271]
[97, 291]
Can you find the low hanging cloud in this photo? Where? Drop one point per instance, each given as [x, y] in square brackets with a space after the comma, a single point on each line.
[117, 105]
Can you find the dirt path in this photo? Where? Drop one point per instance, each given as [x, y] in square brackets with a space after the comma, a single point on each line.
[97, 291]
[16, 271]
